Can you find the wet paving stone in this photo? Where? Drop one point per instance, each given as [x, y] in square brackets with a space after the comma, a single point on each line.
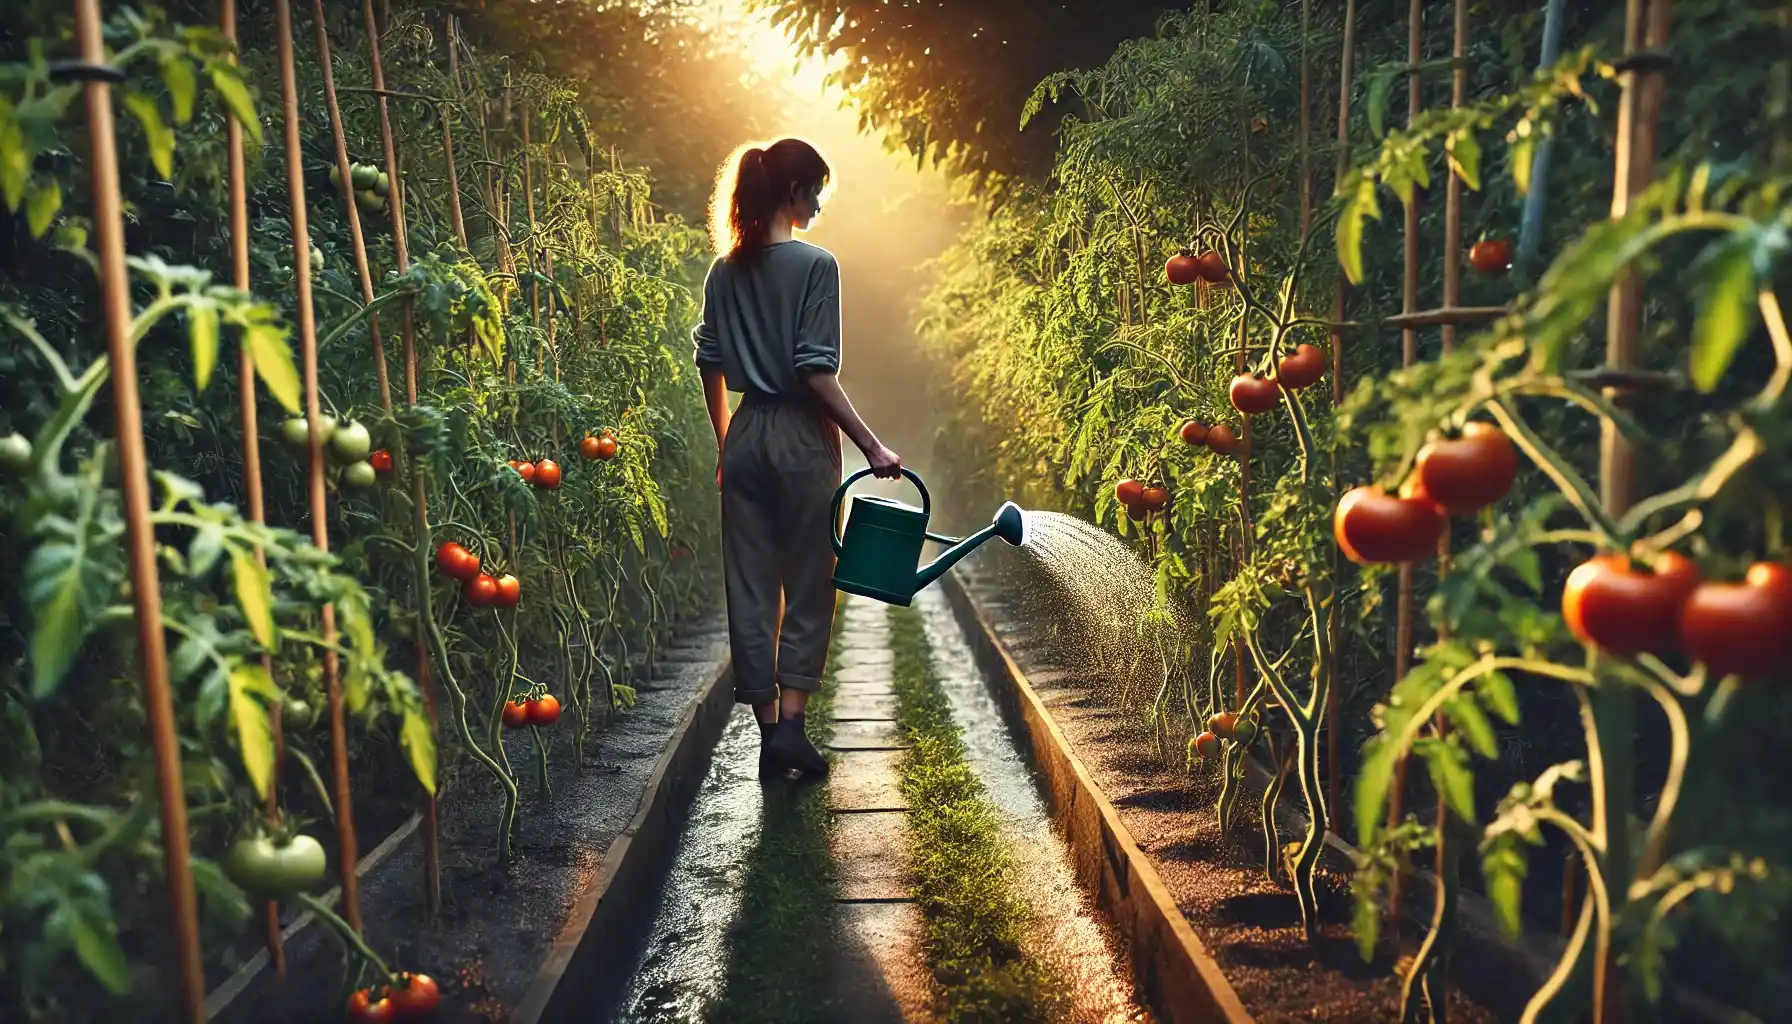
[854, 657]
[866, 736]
[865, 780]
[880, 974]
[865, 675]
[871, 855]
[851, 707]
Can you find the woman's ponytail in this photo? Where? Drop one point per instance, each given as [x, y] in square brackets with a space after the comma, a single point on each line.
[753, 185]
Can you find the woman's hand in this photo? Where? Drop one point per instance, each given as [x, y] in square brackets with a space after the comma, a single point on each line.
[885, 464]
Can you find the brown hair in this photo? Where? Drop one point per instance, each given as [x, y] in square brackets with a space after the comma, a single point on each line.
[755, 181]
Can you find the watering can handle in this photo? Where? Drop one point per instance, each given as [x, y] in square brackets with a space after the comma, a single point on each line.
[840, 496]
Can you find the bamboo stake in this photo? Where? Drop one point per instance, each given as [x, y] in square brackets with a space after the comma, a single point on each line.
[357, 240]
[432, 856]
[455, 216]
[239, 277]
[346, 845]
[133, 467]
[1333, 743]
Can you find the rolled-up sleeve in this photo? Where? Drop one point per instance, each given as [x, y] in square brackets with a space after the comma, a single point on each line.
[818, 329]
[708, 342]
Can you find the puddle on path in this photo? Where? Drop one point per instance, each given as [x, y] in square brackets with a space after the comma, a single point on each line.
[1068, 932]
[683, 971]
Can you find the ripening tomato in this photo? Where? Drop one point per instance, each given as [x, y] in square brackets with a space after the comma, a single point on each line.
[480, 591]
[547, 474]
[1252, 394]
[1138, 512]
[1213, 267]
[510, 591]
[1469, 473]
[417, 998]
[363, 1008]
[516, 714]
[545, 711]
[1154, 498]
[1741, 628]
[1490, 255]
[1222, 724]
[1192, 433]
[1371, 525]
[1182, 268]
[1208, 745]
[1616, 608]
[457, 562]
[588, 448]
[1129, 492]
[527, 471]
[382, 462]
[1301, 368]
[1223, 440]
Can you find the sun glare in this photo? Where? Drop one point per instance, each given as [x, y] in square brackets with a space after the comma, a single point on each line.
[768, 48]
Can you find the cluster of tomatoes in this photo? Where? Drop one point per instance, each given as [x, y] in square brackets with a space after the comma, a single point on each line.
[347, 444]
[1251, 394]
[1224, 726]
[1731, 628]
[478, 588]
[543, 711]
[1453, 477]
[1140, 501]
[411, 997]
[372, 186]
[544, 474]
[1186, 268]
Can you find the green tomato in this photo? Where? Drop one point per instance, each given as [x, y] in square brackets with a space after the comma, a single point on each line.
[297, 713]
[296, 432]
[271, 871]
[364, 176]
[15, 453]
[317, 260]
[384, 185]
[359, 476]
[350, 442]
[1244, 732]
[335, 176]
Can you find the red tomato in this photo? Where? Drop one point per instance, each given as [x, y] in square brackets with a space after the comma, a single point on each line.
[1129, 492]
[607, 448]
[364, 1009]
[457, 562]
[1371, 525]
[545, 711]
[1490, 255]
[1741, 628]
[480, 591]
[418, 1000]
[1469, 473]
[1213, 267]
[1154, 498]
[1182, 269]
[516, 715]
[1208, 745]
[1301, 368]
[1137, 513]
[527, 471]
[588, 448]
[1252, 394]
[509, 591]
[1222, 724]
[547, 474]
[1223, 439]
[381, 461]
[1611, 606]
[1192, 433]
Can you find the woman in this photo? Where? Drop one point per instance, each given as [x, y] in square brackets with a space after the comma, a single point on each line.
[771, 331]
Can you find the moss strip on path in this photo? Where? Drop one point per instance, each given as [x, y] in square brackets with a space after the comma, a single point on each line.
[780, 946]
[975, 921]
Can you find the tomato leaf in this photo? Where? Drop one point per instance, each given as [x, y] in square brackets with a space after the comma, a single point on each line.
[202, 329]
[254, 595]
[1726, 308]
[1522, 154]
[1474, 726]
[68, 578]
[183, 85]
[1465, 156]
[156, 132]
[272, 357]
[202, 554]
[1504, 867]
[356, 622]
[95, 941]
[42, 206]
[1496, 691]
[419, 742]
[249, 686]
[1375, 777]
[15, 156]
[1448, 766]
[228, 82]
[1361, 206]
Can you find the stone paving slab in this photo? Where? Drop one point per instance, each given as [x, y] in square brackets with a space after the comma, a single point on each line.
[882, 978]
[850, 707]
[854, 657]
[871, 855]
[865, 780]
[866, 736]
[865, 675]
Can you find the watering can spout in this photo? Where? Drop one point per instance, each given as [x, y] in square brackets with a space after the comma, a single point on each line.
[1010, 524]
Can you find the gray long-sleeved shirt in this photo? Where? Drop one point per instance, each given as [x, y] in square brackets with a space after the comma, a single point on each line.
[768, 324]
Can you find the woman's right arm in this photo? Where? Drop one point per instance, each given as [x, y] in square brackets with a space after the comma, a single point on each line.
[818, 363]
[826, 387]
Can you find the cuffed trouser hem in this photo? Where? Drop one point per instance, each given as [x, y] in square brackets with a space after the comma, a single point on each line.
[756, 695]
[807, 684]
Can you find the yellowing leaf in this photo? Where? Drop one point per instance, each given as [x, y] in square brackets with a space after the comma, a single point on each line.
[202, 327]
[15, 159]
[254, 595]
[177, 75]
[249, 685]
[1465, 157]
[41, 209]
[272, 357]
[419, 743]
[158, 134]
[229, 83]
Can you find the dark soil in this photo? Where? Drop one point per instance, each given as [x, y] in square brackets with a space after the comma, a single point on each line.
[1249, 924]
[496, 924]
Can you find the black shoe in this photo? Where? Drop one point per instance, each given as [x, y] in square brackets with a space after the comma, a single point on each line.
[768, 767]
[789, 748]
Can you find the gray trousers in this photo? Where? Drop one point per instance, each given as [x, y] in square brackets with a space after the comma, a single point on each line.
[780, 468]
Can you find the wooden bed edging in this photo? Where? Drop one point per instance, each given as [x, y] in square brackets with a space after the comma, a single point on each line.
[1176, 976]
[581, 966]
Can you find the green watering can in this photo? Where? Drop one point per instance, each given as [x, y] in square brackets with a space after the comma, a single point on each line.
[882, 543]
